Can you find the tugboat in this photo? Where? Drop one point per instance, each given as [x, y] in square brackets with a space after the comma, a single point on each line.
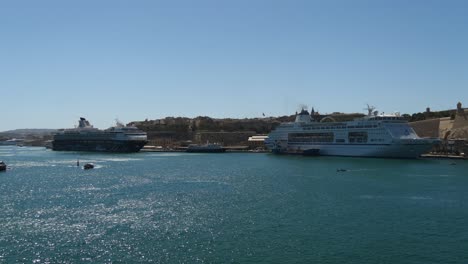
[3, 166]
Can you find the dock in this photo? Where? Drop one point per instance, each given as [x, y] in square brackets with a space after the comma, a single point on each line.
[443, 156]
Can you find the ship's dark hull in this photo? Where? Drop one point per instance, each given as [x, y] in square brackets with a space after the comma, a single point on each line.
[307, 152]
[206, 150]
[98, 145]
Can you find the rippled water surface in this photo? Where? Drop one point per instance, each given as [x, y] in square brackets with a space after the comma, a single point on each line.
[230, 208]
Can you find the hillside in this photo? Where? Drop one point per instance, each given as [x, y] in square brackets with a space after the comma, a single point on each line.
[176, 130]
[207, 124]
[32, 131]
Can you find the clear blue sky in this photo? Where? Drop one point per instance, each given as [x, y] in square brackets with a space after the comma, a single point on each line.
[132, 60]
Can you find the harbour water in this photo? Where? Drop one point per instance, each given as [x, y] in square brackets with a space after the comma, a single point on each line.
[230, 208]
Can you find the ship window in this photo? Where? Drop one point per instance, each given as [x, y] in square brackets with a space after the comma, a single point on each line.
[340, 140]
[311, 137]
[357, 137]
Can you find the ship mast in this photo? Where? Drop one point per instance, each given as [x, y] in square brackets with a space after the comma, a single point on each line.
[370, 109]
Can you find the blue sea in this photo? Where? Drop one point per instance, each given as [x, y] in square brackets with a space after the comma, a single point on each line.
[230, 208]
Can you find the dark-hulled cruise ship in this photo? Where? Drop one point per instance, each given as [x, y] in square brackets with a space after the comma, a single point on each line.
[85, 137]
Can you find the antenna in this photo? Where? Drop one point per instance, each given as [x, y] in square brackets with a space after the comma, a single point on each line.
[369, 109]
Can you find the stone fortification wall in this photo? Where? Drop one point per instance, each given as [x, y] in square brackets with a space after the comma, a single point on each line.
[426, 128]
[445, 126]
[461, 119]
[459, 133]
[460, 124]
[455, 127]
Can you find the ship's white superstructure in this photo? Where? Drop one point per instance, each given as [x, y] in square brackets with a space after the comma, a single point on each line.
[374, 135]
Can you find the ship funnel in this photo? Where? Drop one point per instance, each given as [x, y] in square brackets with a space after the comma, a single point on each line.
[84, 123]
[118, 123]
[303, 116]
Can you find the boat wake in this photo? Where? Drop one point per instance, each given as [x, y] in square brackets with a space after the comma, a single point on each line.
[119, 159]
[173, 154]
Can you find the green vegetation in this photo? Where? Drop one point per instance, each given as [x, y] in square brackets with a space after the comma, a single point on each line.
[179, 129]
[430, 115]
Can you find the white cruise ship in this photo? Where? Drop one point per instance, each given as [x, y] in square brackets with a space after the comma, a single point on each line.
[375, 135]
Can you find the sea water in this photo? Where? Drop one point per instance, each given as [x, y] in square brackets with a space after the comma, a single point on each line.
[230, 208]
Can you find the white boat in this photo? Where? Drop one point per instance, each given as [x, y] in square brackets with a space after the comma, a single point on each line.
[374, 135]
[10, 142]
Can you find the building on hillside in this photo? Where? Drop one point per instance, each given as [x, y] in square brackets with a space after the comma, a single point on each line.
[258, 141]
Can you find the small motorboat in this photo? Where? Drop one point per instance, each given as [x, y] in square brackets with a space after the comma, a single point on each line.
[341, 170]
[3, 166]
[88, 166]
